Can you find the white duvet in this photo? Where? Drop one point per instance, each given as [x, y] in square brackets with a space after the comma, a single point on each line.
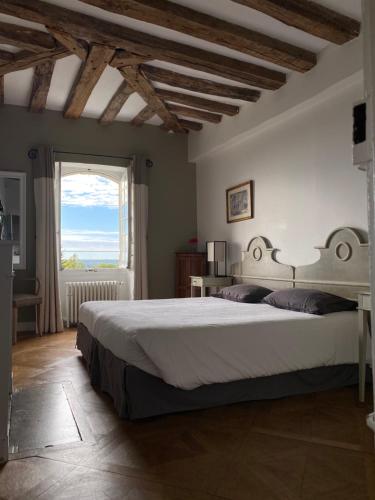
[192, 342]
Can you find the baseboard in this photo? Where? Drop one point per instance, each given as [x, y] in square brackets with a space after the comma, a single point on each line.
[26, 326]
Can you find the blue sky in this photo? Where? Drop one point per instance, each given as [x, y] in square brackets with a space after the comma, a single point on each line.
[89, 216]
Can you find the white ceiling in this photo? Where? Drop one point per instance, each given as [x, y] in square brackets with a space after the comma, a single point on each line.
[18, 85]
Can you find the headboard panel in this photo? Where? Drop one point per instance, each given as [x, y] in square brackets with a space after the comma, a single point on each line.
[343, 267]
[260, 267]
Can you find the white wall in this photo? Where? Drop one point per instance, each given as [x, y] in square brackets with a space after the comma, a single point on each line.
[305, 183]
[335, 64]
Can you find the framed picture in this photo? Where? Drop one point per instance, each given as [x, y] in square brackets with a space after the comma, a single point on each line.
[240, 202]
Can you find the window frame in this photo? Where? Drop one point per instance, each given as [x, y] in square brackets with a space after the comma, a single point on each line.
[124, 182]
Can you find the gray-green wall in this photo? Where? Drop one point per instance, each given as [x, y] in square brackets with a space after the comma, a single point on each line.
[172, 197]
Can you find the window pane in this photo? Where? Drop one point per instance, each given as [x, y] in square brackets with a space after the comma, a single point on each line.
[89, 222]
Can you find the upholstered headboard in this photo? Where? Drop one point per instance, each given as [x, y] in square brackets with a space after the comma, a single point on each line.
[342, 269]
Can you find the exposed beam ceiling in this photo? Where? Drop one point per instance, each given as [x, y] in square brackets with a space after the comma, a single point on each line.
[24, 60]
[145, 89]
[104, 32]
[194, 113]
[189, 125]
[78, 47]
[310, 17]
[26, 38]
[125, 58]
[198, 84]
[143, 116]
[41, 85]
[99, 43]
[198, 102]
[6, 56]
[91, 70]
[116, 103]
[191, 22]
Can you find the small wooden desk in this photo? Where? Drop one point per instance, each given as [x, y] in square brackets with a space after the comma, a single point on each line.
[204, 282]
[364, 328]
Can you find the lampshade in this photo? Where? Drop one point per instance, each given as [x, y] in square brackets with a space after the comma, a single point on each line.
[216, 251]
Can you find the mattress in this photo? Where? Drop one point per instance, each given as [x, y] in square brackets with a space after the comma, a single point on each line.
[198, 341]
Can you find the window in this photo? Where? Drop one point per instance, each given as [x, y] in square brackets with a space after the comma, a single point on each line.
[93, 216]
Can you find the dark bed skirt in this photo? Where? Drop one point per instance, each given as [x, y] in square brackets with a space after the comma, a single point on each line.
[137, 394]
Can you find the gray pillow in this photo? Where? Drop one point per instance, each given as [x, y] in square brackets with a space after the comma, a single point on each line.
[309, 301]
[244, 293]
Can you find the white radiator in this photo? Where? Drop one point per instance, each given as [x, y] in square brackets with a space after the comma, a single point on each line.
[78, 292]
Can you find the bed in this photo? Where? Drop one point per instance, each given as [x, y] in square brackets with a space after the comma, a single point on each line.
[163, 356]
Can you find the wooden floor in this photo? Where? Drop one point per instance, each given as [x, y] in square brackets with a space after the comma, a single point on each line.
[309, 447]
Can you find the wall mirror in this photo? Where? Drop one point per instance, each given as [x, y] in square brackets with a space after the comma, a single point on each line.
[13, 214]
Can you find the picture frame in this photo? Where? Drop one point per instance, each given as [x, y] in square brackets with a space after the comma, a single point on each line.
[239, 201]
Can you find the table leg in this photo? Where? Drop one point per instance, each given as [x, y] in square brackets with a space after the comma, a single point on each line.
[191, 291]
[363, 322]
[203, 291]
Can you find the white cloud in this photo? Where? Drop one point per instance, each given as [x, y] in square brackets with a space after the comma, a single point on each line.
[85, 240]
[89, 191]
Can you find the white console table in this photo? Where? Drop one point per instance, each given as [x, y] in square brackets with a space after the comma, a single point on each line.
[364, 315]
[204, 282]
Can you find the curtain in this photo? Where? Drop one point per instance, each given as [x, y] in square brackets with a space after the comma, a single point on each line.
[50, 318]
[139, 191]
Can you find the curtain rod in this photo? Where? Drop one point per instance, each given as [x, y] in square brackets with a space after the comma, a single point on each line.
[34, 151]
[32, 154]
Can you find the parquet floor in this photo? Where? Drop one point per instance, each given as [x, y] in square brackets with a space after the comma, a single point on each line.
[313, 447]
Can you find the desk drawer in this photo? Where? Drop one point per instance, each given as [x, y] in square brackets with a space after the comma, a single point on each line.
[196, 282]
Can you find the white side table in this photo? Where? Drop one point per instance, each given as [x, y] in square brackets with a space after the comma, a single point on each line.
[204, 282]
[364, 316]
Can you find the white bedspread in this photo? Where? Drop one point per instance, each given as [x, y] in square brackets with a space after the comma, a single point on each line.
[192, 342]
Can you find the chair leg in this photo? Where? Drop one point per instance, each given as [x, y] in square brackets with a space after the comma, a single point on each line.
[15, 323]
[37, 316]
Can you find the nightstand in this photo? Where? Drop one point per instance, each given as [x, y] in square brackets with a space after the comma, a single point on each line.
[204, 282]
[364, 316]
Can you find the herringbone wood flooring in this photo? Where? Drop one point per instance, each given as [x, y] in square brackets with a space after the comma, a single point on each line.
[313, 447]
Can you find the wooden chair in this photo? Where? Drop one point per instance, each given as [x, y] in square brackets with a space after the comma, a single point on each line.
[27, 300]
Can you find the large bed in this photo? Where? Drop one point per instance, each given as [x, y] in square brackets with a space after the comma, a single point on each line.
[162, 356]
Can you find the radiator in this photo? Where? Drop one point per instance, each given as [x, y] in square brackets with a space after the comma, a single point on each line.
[78, 292]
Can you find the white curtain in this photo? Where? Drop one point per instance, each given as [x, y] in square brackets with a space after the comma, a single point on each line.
[139, 226]
[50, 319]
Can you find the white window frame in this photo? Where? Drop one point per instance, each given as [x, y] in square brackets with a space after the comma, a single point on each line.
[124, 196]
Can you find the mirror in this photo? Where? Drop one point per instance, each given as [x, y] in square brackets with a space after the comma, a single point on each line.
[13, 214]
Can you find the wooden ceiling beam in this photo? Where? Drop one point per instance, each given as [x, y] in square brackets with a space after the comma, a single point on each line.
[310, 17]
[143, 86]
[25, 60]
[198, 84]
[104, 32]
[191, 22]
[143, 116]
[6, 56]
[198, 102]
[116, 103]
[194, 113]
[125, 58]
[190, 125]
[41, 85]
[78, 47]
[91, 70]
[26, 38]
